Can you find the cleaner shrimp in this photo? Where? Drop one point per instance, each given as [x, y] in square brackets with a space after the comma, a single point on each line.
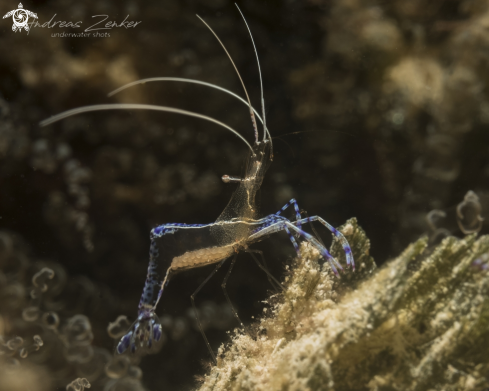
[238, 226]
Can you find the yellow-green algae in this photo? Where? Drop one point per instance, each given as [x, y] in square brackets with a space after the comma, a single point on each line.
[420, 322]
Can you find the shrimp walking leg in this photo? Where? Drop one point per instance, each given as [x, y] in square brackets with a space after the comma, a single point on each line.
[273, 281]
[279, 223]
[275, 223]
[296, 208]
[223, 286]
[192, 298]
[151, 282]
[261, 266]
[294, 242]
[311, 239]
[313, 229]
[336, 233]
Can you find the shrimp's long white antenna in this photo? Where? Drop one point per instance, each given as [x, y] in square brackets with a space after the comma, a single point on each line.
[253, 120]
[136, 106]
[184, 80]
[265, 129]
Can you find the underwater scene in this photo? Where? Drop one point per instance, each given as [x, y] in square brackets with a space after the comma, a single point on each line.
[261, 195]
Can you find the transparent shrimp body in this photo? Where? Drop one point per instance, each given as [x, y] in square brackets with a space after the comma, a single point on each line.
[178, 247]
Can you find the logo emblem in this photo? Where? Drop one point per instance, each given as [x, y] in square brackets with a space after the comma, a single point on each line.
[20, 16]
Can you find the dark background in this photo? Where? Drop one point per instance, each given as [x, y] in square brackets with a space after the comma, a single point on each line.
[378, 110]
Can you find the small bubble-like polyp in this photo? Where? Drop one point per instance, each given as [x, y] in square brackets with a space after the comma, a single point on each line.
[78, 385]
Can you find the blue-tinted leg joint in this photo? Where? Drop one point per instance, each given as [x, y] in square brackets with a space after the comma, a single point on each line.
[144, 332]
[332, 261]
[124, 343]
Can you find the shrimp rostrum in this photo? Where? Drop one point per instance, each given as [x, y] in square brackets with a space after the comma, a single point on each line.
[177, 247]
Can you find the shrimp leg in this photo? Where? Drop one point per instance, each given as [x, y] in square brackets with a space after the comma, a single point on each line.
[192, 298]
[336, 233]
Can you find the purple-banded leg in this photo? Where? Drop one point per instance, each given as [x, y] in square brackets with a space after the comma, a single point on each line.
[192, 298]
[273, 224]
[313, 229]
[170, 228]
[344, 243]
[311, 239]
[152, 279]
[298, 216]
[147, 327]
[294, 242]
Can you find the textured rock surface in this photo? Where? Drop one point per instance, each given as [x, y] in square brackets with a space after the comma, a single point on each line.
[418, 323]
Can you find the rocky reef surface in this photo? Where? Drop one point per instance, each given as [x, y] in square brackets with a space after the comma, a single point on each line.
[420, 322]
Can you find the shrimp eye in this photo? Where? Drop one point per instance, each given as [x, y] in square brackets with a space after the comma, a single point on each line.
[230, 179]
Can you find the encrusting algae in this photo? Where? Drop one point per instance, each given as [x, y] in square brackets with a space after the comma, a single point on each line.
[418, 323]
